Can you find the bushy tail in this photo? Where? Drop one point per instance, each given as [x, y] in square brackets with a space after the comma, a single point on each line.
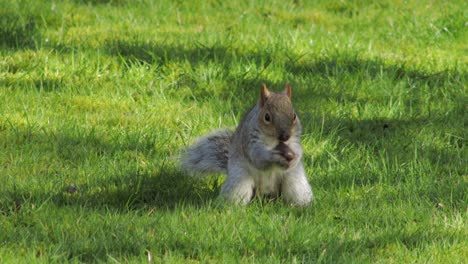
[209, 153]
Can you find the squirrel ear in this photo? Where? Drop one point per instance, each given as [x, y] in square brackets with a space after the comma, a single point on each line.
[287, 90]
[264, 95]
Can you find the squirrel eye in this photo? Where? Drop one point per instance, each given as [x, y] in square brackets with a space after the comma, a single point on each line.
[267, 118]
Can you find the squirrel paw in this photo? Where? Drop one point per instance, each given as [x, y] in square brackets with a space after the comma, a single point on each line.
[283, 155]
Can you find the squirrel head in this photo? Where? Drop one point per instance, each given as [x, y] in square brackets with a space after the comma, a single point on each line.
[277, 118]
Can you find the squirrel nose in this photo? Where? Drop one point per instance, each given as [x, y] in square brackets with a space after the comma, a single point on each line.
[284, 136]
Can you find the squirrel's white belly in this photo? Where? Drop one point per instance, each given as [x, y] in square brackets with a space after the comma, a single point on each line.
[267, 182]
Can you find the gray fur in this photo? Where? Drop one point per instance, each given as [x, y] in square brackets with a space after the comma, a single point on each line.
[250, 156]
[255, 168]
[209, 153]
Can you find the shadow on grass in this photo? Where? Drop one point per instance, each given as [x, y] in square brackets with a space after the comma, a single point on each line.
[340, 250]
[162, 54]
[336, 66]
[311, 79]
[163, 190]
[429, 169]
[43, 84]
[166, 187]
[17, 32]
[103, 2]
[160, 186]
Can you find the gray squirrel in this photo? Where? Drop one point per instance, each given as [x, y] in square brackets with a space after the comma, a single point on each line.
[262, 157]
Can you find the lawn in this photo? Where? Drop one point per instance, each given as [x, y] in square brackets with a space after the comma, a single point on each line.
[98, 98]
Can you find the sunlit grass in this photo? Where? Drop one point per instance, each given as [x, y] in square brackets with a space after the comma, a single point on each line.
[97, 98]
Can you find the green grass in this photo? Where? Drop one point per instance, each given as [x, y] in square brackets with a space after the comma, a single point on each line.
[97, 98]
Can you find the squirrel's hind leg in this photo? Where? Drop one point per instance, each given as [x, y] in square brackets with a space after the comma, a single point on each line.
[238, 187]
[296, 189]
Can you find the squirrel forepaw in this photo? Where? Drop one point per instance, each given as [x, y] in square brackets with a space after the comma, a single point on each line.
[283, 155]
